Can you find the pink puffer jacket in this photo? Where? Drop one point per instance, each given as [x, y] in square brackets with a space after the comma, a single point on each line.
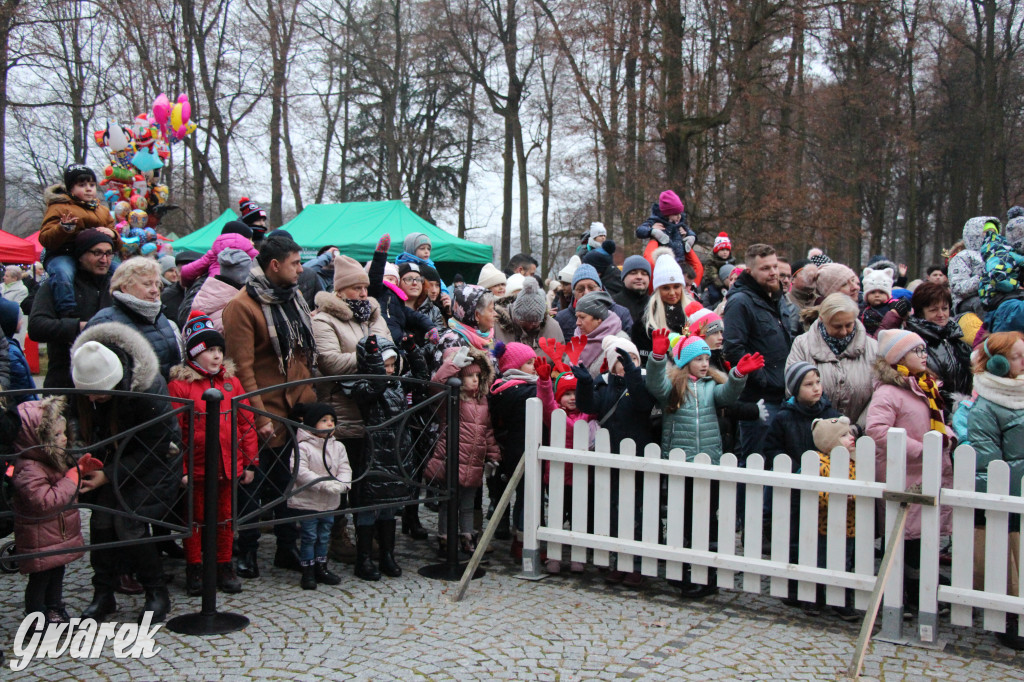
[207, 263]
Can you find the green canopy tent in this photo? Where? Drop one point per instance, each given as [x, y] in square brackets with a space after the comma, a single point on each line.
[355, 228]
[202, 239]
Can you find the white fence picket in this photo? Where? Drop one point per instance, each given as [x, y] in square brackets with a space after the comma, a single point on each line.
[962, 575]
[997, 529]
[808, 533]
[753, 520]
[651, 528]
[675, 515]
[835, 547]
[627, 506]
[580, 489]
[602, 497]
[931, 484]
[533, 502]
[556, 483]
[781, 523]
[864, 543]
[726, 521]
[895, 480]
[700, 534]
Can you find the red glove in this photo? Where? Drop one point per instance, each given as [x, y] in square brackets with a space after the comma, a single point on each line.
[543, 368]
[88, 464]
[659, 342]
[72, 474]
[384, 244]
[575, 348]
[749, 363]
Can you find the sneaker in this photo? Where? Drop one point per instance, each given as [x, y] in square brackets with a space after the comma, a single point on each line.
[576, 567]
[553, 566]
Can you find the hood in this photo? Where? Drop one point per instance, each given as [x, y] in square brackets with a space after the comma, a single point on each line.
[185, 372]
[39, 428]
[9, 313]
[974, 233]
[56, 194]
[327, 302]
[482, 360]
[138, 359]
[396, 290]
[887, 374]
[383, 342]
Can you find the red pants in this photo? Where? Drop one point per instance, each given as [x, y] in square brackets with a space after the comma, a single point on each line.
[225, 533]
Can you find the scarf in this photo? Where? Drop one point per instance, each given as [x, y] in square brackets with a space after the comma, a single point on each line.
[610, 326]
[147, 310]
[837, 346]
[931, 393]
[1002, 391]
[474, 337]
[288, 322]
[361, 309]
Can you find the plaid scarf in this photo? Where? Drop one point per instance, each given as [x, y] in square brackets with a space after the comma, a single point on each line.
[935, 404]
[288, 322]
[836, 345]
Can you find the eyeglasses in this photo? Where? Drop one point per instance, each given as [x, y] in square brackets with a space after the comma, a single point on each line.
[412, 280]
[95, 253]
[920, 351]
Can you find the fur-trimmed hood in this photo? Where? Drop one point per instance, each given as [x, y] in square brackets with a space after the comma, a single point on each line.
[138, 359]
[185, 372]
[481, 360]
[327, 302]
[56, 194]
[39, 420]
[887, 374]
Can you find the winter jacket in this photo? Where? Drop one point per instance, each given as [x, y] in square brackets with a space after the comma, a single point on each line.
[872, 316]
[753, 324]
[592, 356]
[323, 473]
[901, 404]
[58, 333]
[476, 434]
[146, 467]
[566, 320]
[388, 461]
[948, 356]
[846, 380]
[507, 330]
[317, 275]
[207, 263]
[635, 302]
[257, 365]
[399, 318]
[43, 520]
[214, 295]
[15, 291]
[694, 426]
[189, 383]
[966, 269]
[172, 298]
[624, 403]
[507, 405]
[189, 297]
[161, 333]
[432, 313]
[791, 317]
[790, 430]
[5, 364]
[55, 239]
[675, 231]
[337, 334]
[996, 427]
[21, 374]
[712, 282]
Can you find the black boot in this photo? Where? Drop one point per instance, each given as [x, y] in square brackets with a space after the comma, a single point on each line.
[227, 581]
[386, 541]
[324, 575]
[691, 590]
[157, 601]
[194, 579]
[247, 566]
[308, 581]
[1010, 638]
[103, 604]
[365, 568]
[504, 531]
[411, 525]
[287, 558]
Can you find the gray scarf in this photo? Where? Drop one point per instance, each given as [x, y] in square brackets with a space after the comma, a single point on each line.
[148, 310]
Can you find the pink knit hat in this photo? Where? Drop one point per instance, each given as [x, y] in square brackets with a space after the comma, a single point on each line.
[893, 344]
[669, 203]
[512, 355]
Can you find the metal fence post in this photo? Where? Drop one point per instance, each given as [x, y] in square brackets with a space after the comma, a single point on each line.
[208, 621]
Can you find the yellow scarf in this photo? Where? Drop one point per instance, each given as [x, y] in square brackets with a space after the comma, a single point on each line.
[931, 392]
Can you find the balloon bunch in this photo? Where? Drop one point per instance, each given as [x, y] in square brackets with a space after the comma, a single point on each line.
[131, 182]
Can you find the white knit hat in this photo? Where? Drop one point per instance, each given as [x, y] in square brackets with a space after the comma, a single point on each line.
[95, 367]
[596, 230]
[566, 273]
[667, 271]
[609, 344]
[878, 280]
[514, 284]
[490, 276]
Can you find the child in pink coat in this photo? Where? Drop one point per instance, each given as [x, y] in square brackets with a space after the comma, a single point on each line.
[234, 235]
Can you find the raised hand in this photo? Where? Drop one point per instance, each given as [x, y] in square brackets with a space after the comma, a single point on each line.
[543, 368]
[372, 347]
[581, 373]
[659, 342]
[626, 359]
[749, 363]
[384, 243]
[461, 358]
[408, 343]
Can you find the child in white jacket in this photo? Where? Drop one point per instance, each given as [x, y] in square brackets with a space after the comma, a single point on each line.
[322, 475]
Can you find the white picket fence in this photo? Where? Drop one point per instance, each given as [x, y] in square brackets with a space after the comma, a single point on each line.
[656, 546]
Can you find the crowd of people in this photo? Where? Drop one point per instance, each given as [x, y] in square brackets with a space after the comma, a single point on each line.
[763, 354]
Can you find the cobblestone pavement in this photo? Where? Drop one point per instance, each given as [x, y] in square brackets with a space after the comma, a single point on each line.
[561, 628]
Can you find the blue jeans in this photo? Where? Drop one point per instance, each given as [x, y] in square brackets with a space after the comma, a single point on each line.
[314, 536]
[368, 518]
[61, 270]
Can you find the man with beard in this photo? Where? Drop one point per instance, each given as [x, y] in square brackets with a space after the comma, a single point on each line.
[636, 278]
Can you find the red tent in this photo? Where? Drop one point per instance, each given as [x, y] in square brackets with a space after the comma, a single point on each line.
[16, 250]
[33, 239]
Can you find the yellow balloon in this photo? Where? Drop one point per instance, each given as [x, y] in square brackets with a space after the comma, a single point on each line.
[191, 127]
[176, 117]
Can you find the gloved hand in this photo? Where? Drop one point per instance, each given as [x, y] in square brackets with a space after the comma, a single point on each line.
[461, 358]
[688, 242]
[432, 337]
[902, 307]
[626, 359]
[490, 469]
[581, 373]
[408, 343]
[762, 411]
[335, 487]
[658, 235]
[384, 243]
[659, 343]
[87, 463]
[372, 348]
[543, 368]
[72, 474]
[749, 363]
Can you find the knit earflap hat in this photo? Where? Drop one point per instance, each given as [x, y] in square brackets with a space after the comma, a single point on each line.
[465, 301]
[893, 344]
[878, 280]
[348, 273]
[828, 432]
[686, 350]
[669, 203]
[721, 242]
[94, 367]
[250, 212]
[531, 305]
[513, 355]
[490, 276]
[201, 334]
[795, 374]
[667, 271]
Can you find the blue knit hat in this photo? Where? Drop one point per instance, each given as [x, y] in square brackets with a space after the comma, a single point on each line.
[689, 349]
[585, 271]
[635, 263]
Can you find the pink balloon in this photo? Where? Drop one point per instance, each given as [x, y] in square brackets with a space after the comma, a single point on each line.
[186, 112]
[161, 108]
[181, 132]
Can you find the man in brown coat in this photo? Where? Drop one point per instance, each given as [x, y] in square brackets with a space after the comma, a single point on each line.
[269, 337]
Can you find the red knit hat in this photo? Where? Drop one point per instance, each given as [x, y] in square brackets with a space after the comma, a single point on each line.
[564, 382]
[250, 211]
[721, 242]
[512, 355]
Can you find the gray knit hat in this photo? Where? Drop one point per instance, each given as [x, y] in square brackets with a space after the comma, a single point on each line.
[234, 265]
[795, 374]
[531, 305]
[635, 263]
[586, 271]
[596, 304]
